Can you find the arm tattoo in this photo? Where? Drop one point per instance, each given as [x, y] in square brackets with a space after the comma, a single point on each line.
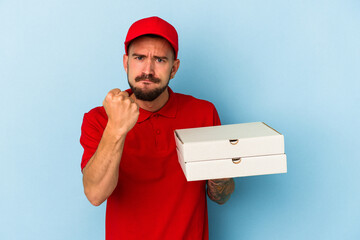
[219, 190]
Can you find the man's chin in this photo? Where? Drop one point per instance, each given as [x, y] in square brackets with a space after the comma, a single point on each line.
[146, 94]
[146, 87]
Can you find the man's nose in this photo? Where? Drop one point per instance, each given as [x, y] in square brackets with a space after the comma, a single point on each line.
[149, 66]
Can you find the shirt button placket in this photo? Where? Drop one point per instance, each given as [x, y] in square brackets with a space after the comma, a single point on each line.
[156, 130]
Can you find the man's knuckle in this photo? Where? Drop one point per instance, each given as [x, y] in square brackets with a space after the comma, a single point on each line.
[116, 90]
[117, 98]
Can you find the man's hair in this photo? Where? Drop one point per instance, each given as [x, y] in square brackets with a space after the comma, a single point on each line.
[151, 36]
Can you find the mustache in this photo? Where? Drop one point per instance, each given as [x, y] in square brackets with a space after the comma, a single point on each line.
[150, 77]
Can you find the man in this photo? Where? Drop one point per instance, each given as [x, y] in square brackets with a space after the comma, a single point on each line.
[130, 155]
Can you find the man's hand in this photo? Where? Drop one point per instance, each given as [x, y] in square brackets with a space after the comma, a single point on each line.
[121, 110]
[219, 190]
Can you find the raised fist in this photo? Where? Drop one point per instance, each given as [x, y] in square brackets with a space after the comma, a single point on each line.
[121, 110]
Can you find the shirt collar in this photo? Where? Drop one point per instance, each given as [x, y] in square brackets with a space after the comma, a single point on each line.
[168, 110]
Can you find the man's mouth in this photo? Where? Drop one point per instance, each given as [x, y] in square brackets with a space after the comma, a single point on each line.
[147, 78]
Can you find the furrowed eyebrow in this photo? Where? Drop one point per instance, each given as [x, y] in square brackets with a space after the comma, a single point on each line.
[161, 57]
[137, 55]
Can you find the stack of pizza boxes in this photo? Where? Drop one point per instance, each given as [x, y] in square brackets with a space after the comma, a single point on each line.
[236, 150]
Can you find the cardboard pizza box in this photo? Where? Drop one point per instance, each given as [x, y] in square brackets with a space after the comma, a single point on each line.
[235, 150]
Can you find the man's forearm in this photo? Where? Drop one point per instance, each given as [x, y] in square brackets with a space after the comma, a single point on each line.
[100, 175]
[220, 190]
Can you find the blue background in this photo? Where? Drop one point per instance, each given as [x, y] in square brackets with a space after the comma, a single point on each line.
[292, 64]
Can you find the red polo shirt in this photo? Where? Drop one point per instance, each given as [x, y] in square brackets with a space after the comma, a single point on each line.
[153, 200]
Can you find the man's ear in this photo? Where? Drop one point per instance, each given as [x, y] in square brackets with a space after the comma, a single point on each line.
[174, 68]
[125, 62]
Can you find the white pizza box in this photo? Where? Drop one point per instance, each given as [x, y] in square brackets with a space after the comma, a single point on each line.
[235, 150]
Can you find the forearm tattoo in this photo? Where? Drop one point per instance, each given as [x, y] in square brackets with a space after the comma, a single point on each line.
[219, 190]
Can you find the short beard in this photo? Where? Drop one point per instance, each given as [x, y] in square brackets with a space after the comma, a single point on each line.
[150, 95]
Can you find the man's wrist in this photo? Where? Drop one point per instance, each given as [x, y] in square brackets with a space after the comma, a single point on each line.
[116, 133]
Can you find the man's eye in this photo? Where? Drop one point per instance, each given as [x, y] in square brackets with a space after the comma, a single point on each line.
[159, 60]
[139, 58]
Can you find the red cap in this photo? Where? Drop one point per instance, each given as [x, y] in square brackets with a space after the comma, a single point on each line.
[153, 25]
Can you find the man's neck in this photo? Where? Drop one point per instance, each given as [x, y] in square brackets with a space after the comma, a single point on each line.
[155, 105]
